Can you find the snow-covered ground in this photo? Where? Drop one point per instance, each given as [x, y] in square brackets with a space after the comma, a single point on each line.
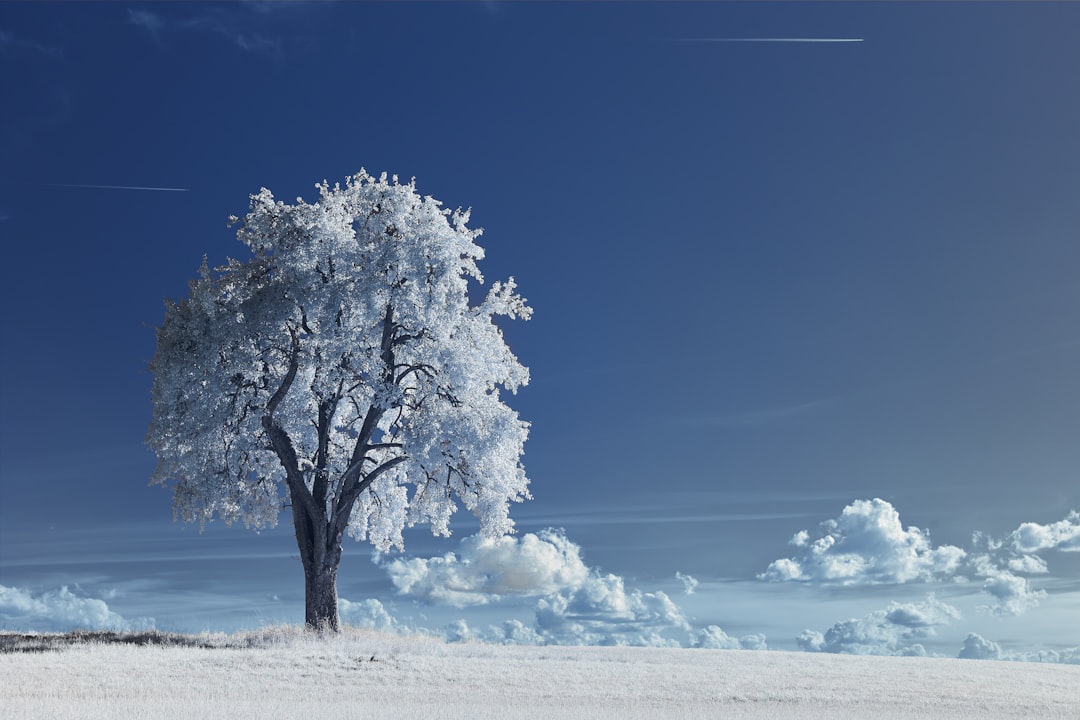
[366, 675]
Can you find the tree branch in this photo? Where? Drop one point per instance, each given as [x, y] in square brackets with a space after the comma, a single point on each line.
[344, 503]
[282, 444]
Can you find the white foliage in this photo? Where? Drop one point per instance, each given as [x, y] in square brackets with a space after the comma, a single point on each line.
[355, 306]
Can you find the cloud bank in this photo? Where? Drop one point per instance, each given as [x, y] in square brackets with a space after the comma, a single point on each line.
[895, 630]
[867, 545]
[575, 604]
[976, 647]
[59, 611]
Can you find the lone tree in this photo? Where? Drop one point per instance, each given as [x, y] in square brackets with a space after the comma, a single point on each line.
[343, 372]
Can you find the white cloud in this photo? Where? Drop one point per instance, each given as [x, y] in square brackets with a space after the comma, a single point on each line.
[865, 545]
[868, 545]
[485, 569]
[602, 612]
[59, 610]
[1012, 593]
[512, 632]
[1029, 565]
[1032, 537]
[689, 582]
[1003, 561]
[976, 647]
[895, 630]
[713, 638]
[576, 605]
[368, 613]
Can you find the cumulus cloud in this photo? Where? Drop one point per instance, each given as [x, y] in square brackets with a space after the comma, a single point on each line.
[976, 647]
[511, 632]
[369, 614]
[868, 545]
[1002, 562]
[1013, 594]
[895, 630]
[1032, 537]
[485, 569]
[602, 612]
[576, 605]
[713, 638]
[59, 611]
[865, 545]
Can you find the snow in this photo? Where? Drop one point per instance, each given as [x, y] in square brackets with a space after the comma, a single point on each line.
[366, 674]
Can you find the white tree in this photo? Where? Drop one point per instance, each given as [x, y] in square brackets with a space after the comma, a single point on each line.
[342, 371]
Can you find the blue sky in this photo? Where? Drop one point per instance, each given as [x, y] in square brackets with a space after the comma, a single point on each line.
[771, 279]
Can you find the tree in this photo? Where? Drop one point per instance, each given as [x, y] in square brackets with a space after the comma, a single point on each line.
[344, 372]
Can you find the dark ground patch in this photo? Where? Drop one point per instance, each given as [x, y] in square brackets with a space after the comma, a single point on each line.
[11, 642]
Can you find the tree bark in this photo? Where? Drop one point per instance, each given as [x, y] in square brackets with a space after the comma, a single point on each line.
[320, 598]
[320, 569]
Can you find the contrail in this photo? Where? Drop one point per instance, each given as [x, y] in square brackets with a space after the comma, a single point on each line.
[771, 40]
[111, 187]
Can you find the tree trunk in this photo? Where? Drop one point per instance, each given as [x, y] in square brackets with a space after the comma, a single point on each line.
[320, 598]
[320, 571]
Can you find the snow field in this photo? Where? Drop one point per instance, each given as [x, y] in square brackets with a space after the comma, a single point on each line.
[369, 675]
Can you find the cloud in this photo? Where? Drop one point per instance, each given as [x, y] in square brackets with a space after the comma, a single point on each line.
[713, 638]
[689, 582]
[148, 21]
[1062, 535]
[369, 614]
[866, 545]
[892, 631]
[1001, 562]
[576, 605]
[58, 611]
[602, 612]
[1013, 594]
[976, 647]
[486, 569]
[9, 43]
[220, 21]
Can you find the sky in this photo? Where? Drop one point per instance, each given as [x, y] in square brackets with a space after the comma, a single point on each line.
[804, 355]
